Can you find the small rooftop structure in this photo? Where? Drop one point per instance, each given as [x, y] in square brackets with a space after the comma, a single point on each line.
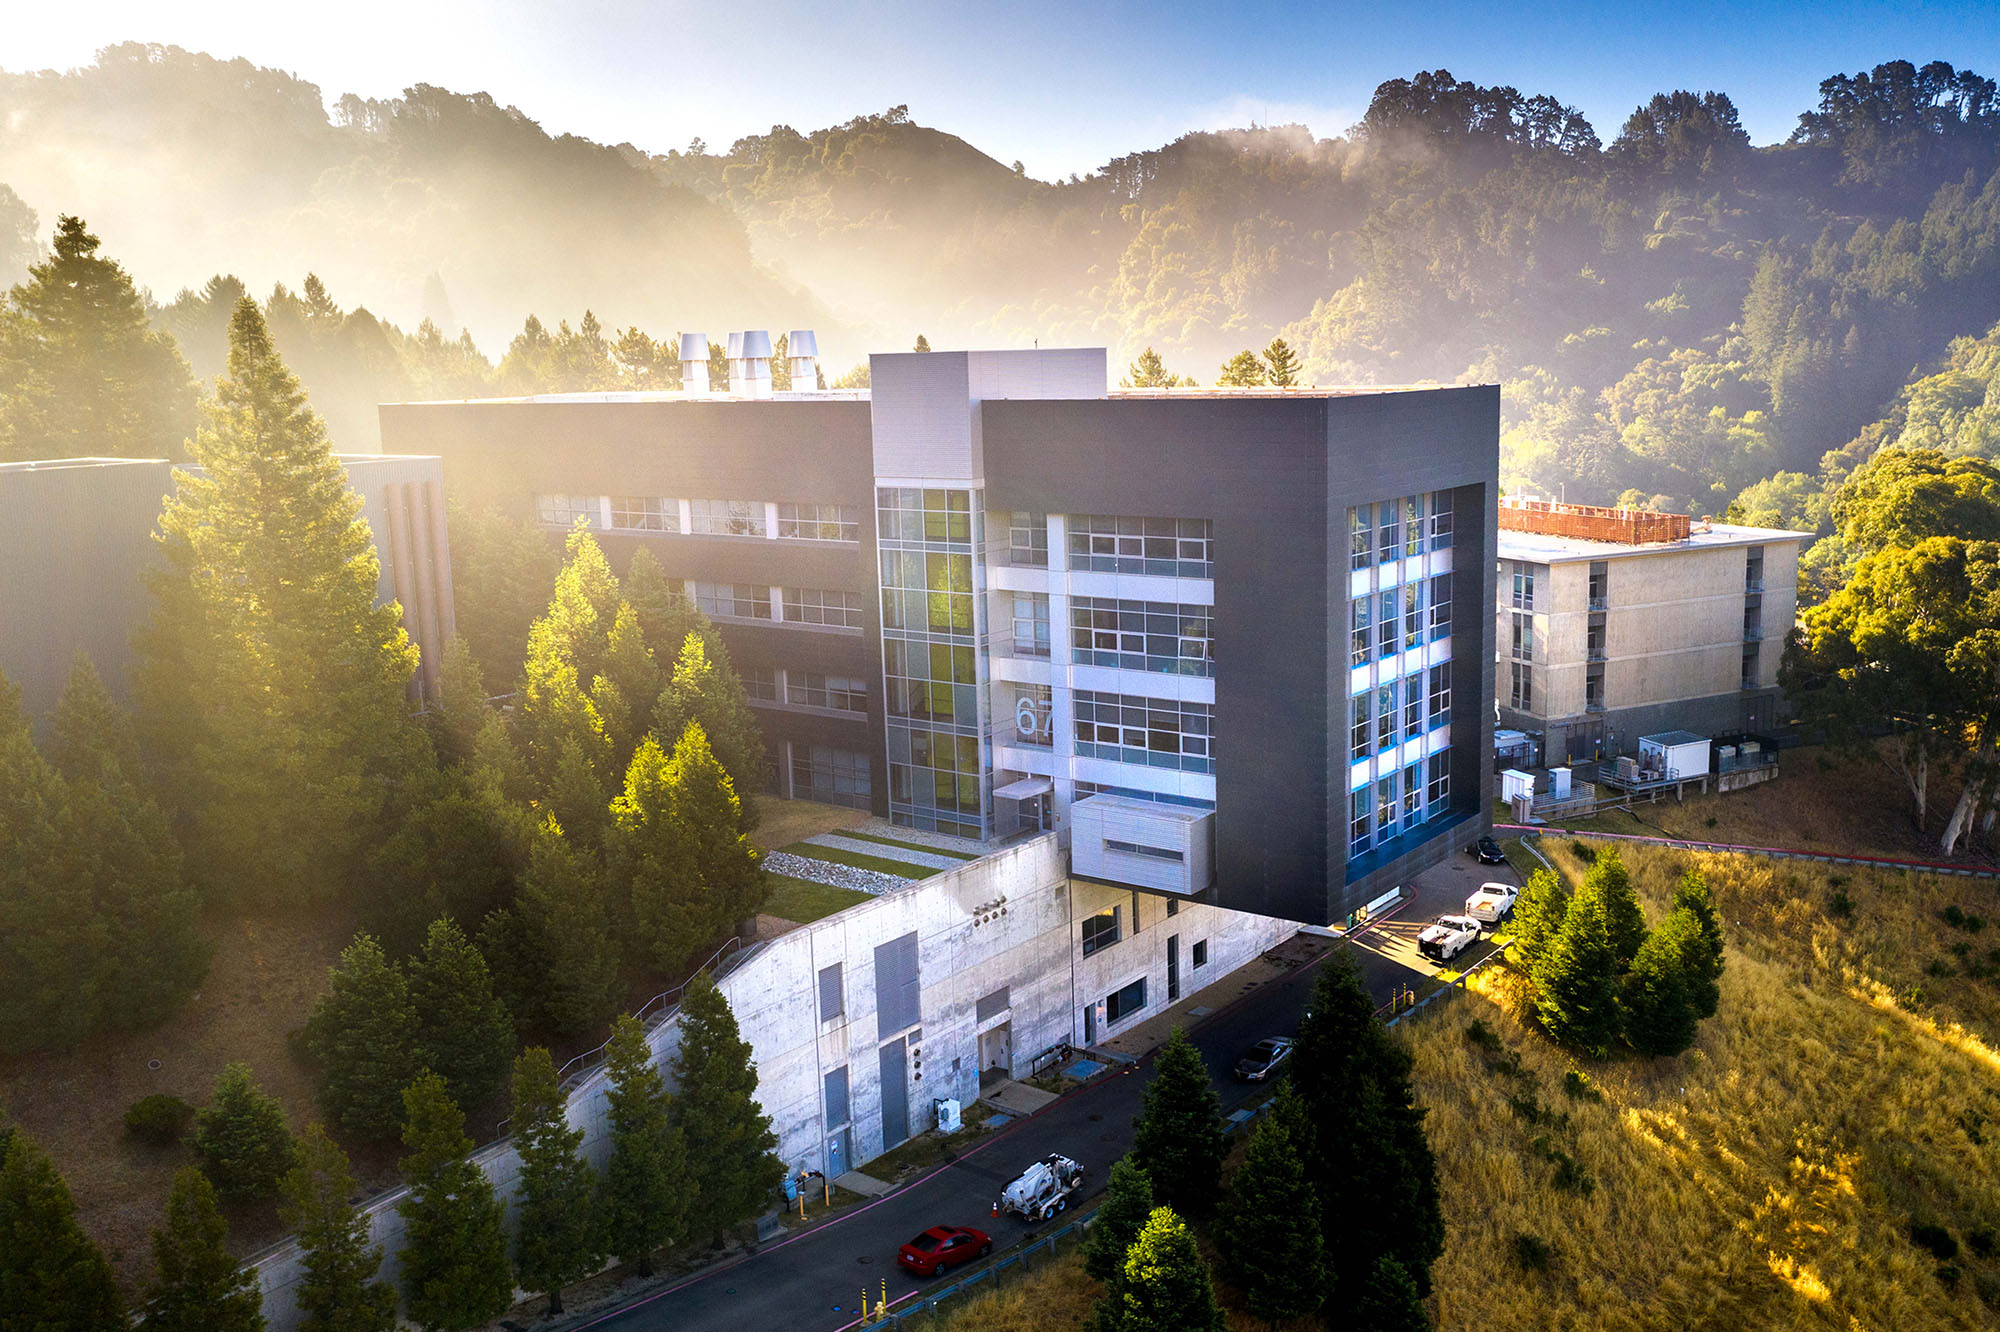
[1629, 526]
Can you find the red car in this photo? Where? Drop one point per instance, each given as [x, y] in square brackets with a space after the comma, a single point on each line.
[943, 1246]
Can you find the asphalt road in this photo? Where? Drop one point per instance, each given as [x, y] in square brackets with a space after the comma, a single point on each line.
[813, 1282]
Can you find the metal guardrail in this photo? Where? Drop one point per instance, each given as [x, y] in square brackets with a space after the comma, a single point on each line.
[1825, 858]
[1456, 986]
[928, 1304]
[650, 1014]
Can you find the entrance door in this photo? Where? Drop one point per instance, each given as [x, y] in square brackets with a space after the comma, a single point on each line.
[996, 1048]
[1090, 1024]
[895, 1093]
[1173, 967]
[836, 1155]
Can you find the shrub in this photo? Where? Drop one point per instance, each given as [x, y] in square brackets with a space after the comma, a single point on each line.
[1580, 1086]
[1583, 850]
[1935, 1239]
[1982, 1240]
[1953, 916]
[1711, 820]
[1940, 969]
[159, 1120]
[1840, 904]
[1948, 1275]
[1482, 1035]
[1533, 1253]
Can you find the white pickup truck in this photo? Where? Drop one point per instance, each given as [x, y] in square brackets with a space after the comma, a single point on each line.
[1043, 1189]
[1492, 903]
[1447, 937]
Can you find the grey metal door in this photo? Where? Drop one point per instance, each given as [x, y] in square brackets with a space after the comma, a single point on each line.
[895, 1093]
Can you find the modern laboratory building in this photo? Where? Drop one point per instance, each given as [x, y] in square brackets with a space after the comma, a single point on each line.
[1211, 638]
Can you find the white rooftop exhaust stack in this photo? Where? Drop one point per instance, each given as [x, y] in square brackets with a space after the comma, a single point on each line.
[694, 362]
[802, 350]
[735, 358]
[756, 363]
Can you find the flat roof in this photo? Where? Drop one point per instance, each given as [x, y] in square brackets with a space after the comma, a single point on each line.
[1542, 548]
[61, 464]
[1155, 808]
[1672, 739]
[866, 395]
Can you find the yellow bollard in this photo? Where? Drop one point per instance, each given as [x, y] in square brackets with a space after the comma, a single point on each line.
[802, 1204]
[882, 1309]
[864, 1305]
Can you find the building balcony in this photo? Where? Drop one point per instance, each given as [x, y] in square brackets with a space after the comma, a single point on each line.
[1594, 653]
[1599, 603]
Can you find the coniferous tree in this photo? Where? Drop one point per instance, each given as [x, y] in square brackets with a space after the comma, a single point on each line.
[1242, 370]
[459, 709]
[553, 951]
[337, 1290]
[664, 613]
[1178, 1141]
[1538, 917]
[1388, 1301]
[576, 796]
[1661, 992]
[1610, 883]
[1149, 371]
[923, 343]
[704, 689]
[52, 1278]
[454, 1257]
[458, 852]
[464, 1034]
[197, 1286]
[566, 649]
[731, 1150]
[240, 1140]
[1128, 1201]
[556, 1233]
[503, 572]
[629, 689]
[1269, 1233]
[679, 855]
[1164, 1285]
[1692, 896]
[1281, 364]
[364, 1037]
[272, 686]
[82, 371]
[1576, 980]
[646, 1195]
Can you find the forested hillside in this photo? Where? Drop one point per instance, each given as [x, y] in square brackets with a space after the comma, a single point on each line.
[1675, 314]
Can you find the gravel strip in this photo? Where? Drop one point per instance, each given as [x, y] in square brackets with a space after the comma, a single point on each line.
[921, 838]
[825, 871]
[928, 859]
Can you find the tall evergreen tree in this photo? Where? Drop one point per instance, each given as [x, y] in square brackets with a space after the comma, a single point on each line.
[272, 686]
[1538, 917]
[460, 709]
[364, 1037]
[1692, 896]
[1576, 981]
[1128, 1201]
[1164, 1285]
[240, 1140]
[1179, 1141]
[454, 1257]
[664, 613]
[337, 1290]
[576, 796]
[1661, 992]
[1281, 364]
[646, 1195]
[82, 371]
[566, 649]
[503, 572]
[197, 1286]
[458, 852]
[1269, 1232]
[556, 1232]
[1149, 371]
[1388, 1301]
[731, 1151]
[704, 688]
[1242, 370]
[52, 1278]
[629, 689]
[553, 951]
[1610, 883]
[463, 1032]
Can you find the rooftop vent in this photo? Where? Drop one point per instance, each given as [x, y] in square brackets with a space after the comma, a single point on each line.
[694, 362]
[750, 351]
[802, 350]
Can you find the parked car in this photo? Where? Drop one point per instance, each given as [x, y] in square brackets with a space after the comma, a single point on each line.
[1043, 1189]
[1447, 937]
[1263, 1059]
[943, 1246]
[1488, 851]
[1492, 903]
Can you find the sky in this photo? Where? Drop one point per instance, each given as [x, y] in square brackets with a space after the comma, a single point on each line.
[1061, 87]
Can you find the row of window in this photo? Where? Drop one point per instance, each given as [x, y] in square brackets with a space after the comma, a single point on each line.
[1383, 624]
[923, 517]
[705, 517]
[927, 592]
[831, 776]
[1170, 547]
[801, 605]
[1399, 710]
[1143, 635]
[1398, 529]
[1156, 732]
[809, 689]
[1398, 802]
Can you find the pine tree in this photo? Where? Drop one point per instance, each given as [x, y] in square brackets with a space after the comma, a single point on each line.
[1538, 917]
[654, 866]
[1281, 365]
[553, 951]
[240, 1140]
[704, 689]
[52, 1278]
[1242, 370]
[646, 1194]
[576, 796]
[1269, 1233]
[337, 1290]
[460, 709]
[1611, 884]
[1576, 980]
[1128, 1201]
[364, 1037]
[503, 573]
[556, 1233]
[458, 853]
[1661, 991]
[464, 1034]
[82, 371]
[1164, 1285]
[731, 1150]
[1388, 1302]
[197, 1286]
[454, 1257]
[1178, 1141]
[273, 688]
[629, 689]
[664, 613]
[923, 343]
[1692, 896]
[1149, 371]
[566, 649]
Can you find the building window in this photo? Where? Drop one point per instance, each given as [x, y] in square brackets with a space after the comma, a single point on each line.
[1173, 547]
[831, 1000]
[1524, 587]
[564, 510]
[1593, 691]
[1440, 696]
[733, 601]
[1522, 644]
[819, 522]
[1440, 606]
[1357, 731]
[728, 517]
[1385, 715]
[1522, 694]
[1156, 732]
[1028, 540]
[1122, 1004]
[1151, 797]
[930, 681]
[1034, 715]
[1031, 624]
[1360, 538]
[1139, 849]
[1173, 907]
[1360, 816]
[812, 605]
[1749, 676]
[837, 692]
[830, 776]
[1100, 931]
[1385, 807]
[1440, 787]
[1441, 520]
[645, 513]
[1143, 635]
[1413, 706]
[760, 684]
[1389, 636]
[1388, 531]
[924, 517]
[1413, 615]
[1413, 794]
[1201, 952]
[1600, 584]
[1413, 527]
[1358, 632]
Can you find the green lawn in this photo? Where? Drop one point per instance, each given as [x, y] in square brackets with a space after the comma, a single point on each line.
[902, 869]
[907, 846]
[802, 901]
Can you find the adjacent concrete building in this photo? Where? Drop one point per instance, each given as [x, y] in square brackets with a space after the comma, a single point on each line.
[76, 540]
[989, 591]
[1610, 624]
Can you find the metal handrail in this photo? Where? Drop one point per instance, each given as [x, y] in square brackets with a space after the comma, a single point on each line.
[649, 1014]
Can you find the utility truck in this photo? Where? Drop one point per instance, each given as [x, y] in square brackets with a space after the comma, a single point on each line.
[1447, 937]
[1043, 1189]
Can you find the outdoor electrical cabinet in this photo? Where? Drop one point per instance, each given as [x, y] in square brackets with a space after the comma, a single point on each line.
[1142, 844]
[1677, 755]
